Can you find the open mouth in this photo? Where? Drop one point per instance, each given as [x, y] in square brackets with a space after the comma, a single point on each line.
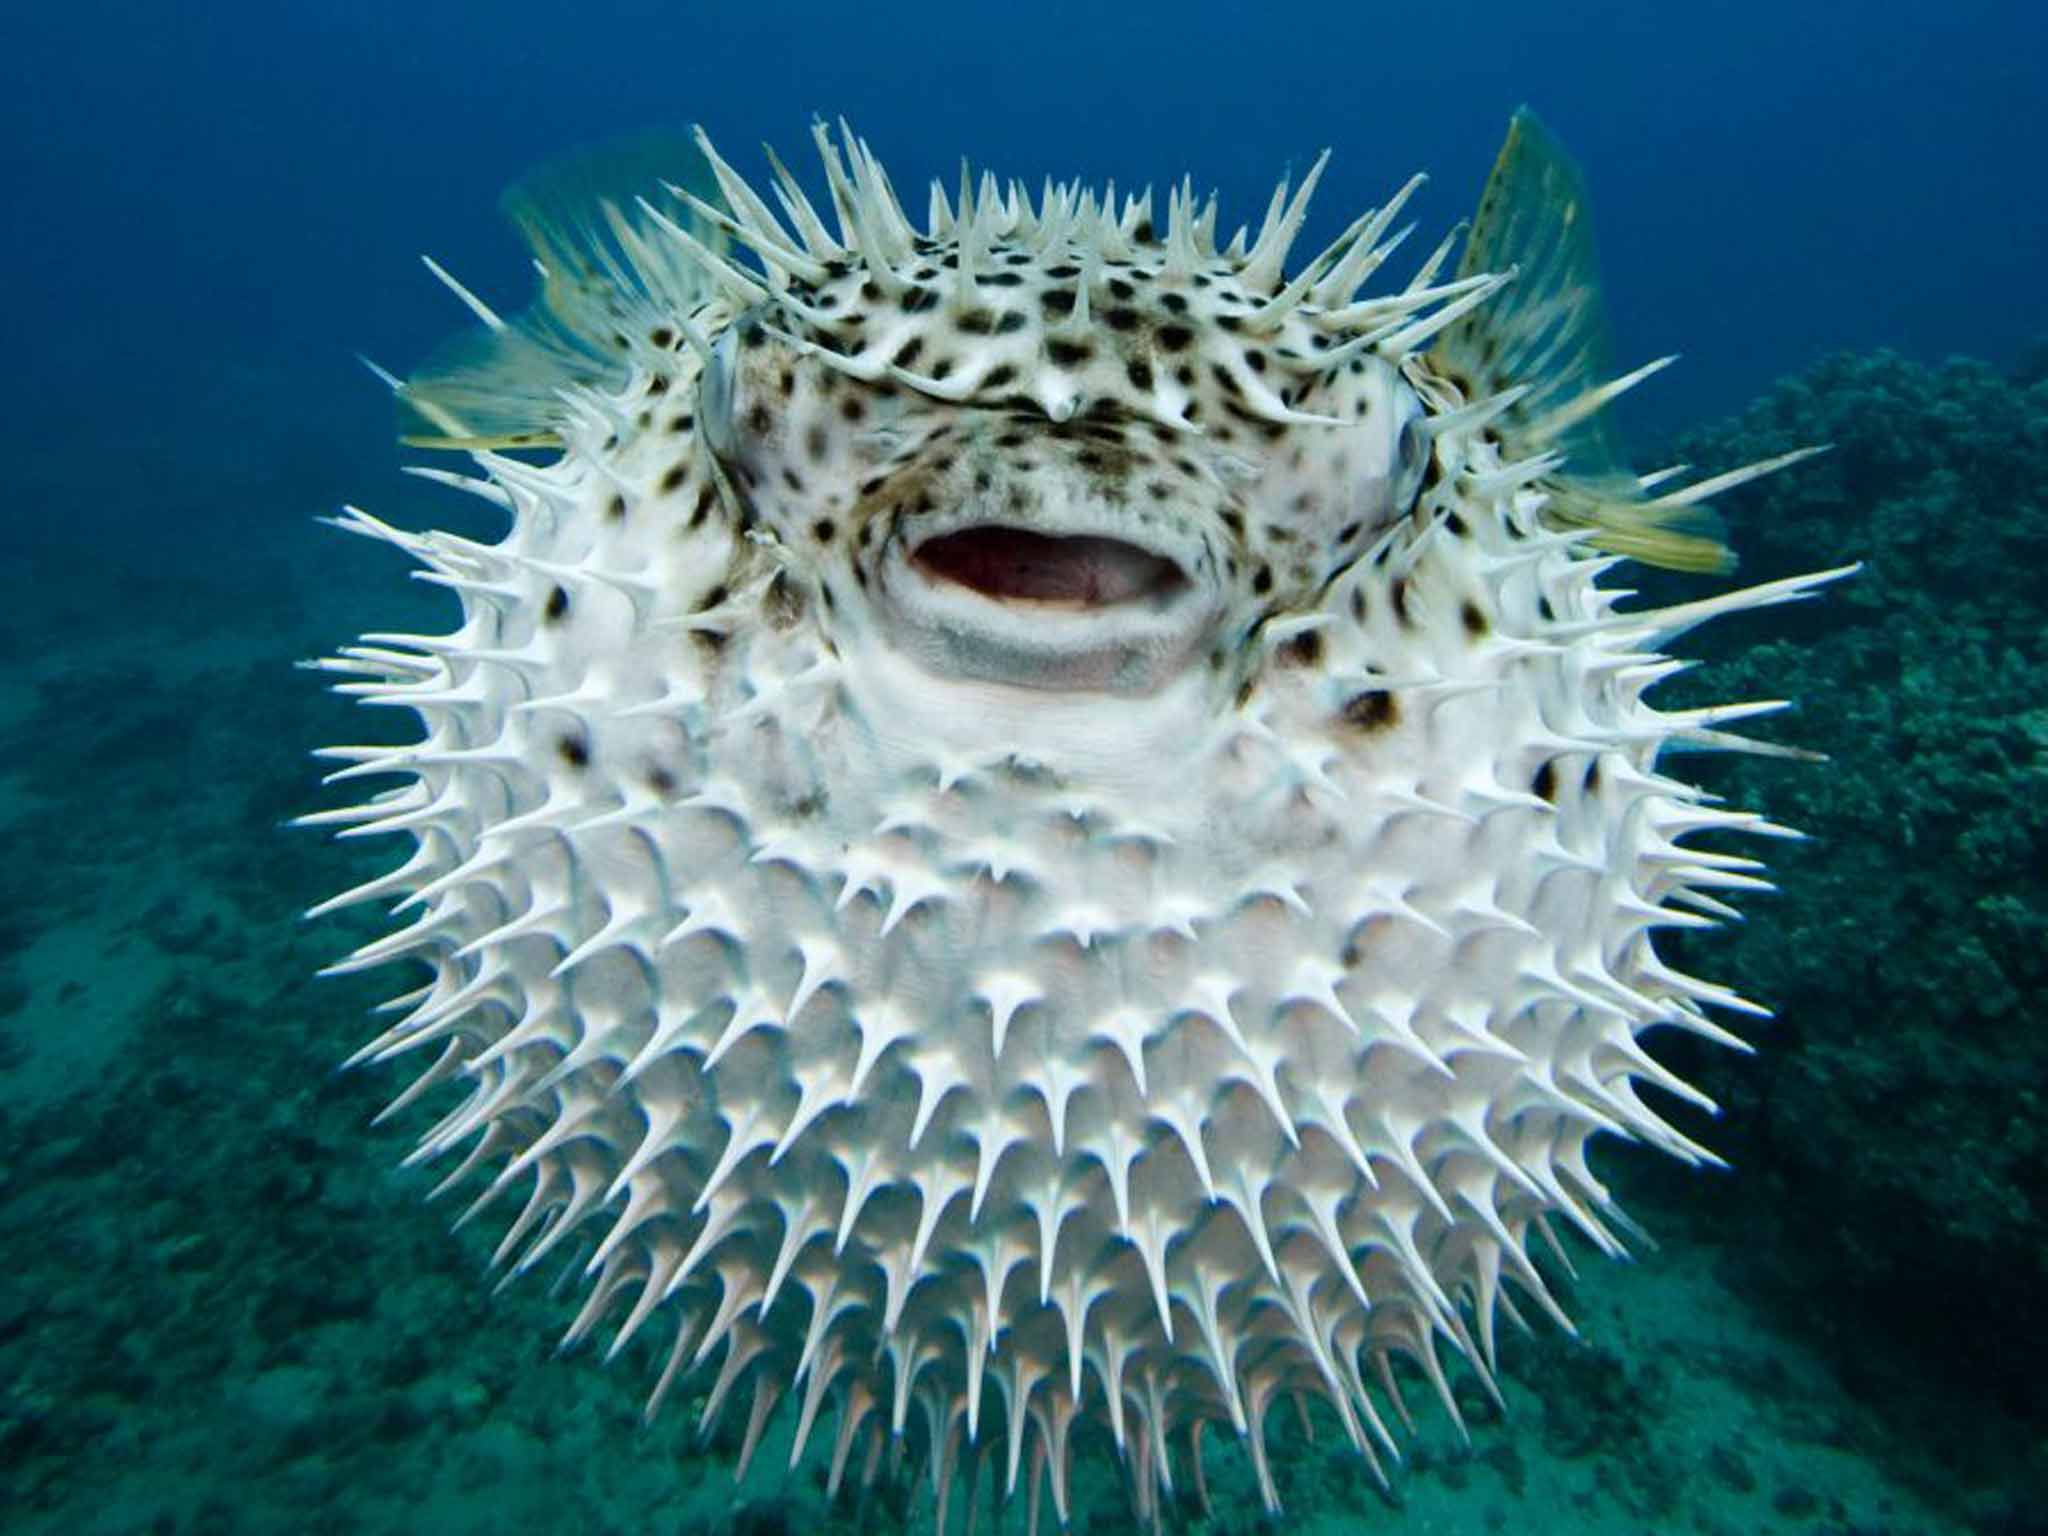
[1079, 571]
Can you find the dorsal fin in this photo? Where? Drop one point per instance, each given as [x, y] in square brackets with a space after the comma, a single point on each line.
[1548, 330]
[607, 279]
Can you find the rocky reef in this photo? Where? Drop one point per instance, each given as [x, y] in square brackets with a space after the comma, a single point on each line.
[1891, 1138]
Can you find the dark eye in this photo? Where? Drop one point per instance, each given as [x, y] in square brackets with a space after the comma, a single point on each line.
[715, 393]
[1411, 457]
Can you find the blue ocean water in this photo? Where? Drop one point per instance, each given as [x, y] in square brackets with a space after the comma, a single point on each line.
[199, 189]
[213, 210]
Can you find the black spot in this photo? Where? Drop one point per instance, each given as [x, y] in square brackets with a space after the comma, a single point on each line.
[658, 385]
[1121, 289]
[918, 300]
[1473, 620]
[1591, 783]
[1143, 233]
[1011, 320]
[713, 598]
[1399, 592]
[661, 781]
[1139, 372]
[1349, 532]
[786, 384]
[1372, 710]
[615, 509]
[1057, 301]
[682, 423]
[1121, 318]
[782, 603]
[977, 322]
[1174, 338]
[759, 420]
[1456, 524]
[702, 510]
[793, 480]
[815, 441]
[1543, 607]
[662, 336]
[677, 474]
[1262, 580]
[1544, 785]
[1255, 360]
[1067, 354]
[1176, 303]
[907, 353]
[1358, 604]
[1303, 650]
[1064, 270]
[942, 367]
[1001, 279]
[852, 409]
[575, 751]
[822, 530]
[557, 604]
[998, 376]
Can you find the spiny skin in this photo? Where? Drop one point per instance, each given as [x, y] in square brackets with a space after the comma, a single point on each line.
[1036, 822]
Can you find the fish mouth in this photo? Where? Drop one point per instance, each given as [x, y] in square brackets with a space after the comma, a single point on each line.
[1049, 571]
[1060, 608]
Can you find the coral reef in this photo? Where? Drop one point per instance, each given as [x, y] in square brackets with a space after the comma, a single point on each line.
[1891, 1137]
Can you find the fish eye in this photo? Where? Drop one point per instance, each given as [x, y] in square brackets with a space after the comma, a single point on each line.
[715, 394]
[1411, 458]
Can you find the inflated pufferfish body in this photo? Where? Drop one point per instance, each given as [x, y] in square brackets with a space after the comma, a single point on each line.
[1039, 821]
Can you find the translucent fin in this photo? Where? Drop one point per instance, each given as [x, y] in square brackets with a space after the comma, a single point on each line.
[605, 286]
[1548, 330]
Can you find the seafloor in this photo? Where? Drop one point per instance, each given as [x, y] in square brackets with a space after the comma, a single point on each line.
[221, 1310]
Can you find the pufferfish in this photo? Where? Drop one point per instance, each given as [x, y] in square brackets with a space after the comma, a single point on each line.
[1040, 827]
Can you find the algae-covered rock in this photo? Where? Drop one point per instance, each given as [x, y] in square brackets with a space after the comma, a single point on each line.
[1892, 1131]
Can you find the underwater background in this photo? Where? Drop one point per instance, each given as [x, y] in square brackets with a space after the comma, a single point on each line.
[223, 1310]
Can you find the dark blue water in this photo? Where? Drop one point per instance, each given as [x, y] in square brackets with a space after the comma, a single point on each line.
[197, 189]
